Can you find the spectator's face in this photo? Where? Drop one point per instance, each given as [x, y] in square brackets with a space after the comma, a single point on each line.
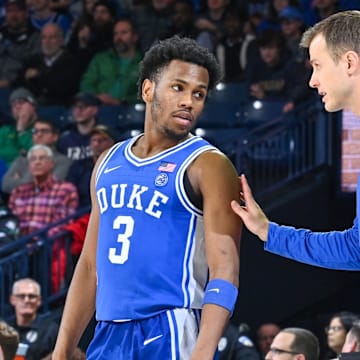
[124, 37]
[102, 15]
[232, 25]
[82, 113]
[336, 335]
[40, 164]
[280, 4]
[89, 6]
[20, 106]
[183, 14]
[160, 5]
[51, 40]
[100, 142]
[281, 347]
[43, 134]
[265, 337]
[324, 4]
[15, 17]
[216, 4]
[26, 299]
[350, 344]
[270, 54]
[290, 27]
[39, 5]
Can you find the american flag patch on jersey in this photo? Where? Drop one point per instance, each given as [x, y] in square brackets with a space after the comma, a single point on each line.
[167, 166]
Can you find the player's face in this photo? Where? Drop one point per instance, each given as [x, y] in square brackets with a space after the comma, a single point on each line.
[178, 97]
[329, 78]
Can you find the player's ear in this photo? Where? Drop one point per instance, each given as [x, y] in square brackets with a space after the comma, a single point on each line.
[147, 90]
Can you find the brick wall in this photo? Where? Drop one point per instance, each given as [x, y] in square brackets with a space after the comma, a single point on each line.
[350, 161]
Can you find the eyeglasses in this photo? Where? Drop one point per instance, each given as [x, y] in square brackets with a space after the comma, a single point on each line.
[39, 158]
[22, 297]
[335, 328]
[40, 131]
[276, 351]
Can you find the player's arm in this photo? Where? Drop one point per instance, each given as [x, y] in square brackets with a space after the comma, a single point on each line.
[213, 175]
[80, 301]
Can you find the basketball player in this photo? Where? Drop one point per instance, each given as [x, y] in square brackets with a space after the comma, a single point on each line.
[162, 231]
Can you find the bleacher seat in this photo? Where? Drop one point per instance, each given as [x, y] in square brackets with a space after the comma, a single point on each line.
[260, 111]
[56, 113]
[218, 115]
[232, 92]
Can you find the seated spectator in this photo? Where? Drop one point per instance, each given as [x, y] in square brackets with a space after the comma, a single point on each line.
[210, 23]
[112, 75]
[272, 76]
[153, 21]
[37, 333]
[45, 200]
[9, 340]
[93, 33]
[53, 76]
[265, 335]
[42, 14]
[352, 341]
[236, 344]
[101, 139]
[294, 342]
[19, 41]
[182, 20]
[339, 325]
[16, 138]
[233, 48]
[75, 141]
[44, 132]
[292, 28]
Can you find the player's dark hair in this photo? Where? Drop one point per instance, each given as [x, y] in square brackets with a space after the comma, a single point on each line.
[177, 48]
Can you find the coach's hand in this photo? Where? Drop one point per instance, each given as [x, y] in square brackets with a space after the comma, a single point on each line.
[250, 212]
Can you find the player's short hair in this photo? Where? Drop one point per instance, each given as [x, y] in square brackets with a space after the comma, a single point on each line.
[185, 49]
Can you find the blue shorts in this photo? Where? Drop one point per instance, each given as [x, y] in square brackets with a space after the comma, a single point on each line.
[170, 335]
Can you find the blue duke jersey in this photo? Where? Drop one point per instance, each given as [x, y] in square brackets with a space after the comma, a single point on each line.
[150, 254]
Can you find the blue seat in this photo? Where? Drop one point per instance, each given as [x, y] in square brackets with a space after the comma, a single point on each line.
[55, 113]
[123, 116]
[233, 92]
[218, 115]
[260, 111]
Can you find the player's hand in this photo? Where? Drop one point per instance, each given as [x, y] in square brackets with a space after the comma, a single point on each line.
[251, 214]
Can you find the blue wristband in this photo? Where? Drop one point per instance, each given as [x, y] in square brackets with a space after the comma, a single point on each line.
[221, 292]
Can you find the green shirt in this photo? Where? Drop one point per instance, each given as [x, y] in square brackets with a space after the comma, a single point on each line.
[14, 143]
[110, 74]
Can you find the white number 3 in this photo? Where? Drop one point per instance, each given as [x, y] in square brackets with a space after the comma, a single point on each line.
[123, 238]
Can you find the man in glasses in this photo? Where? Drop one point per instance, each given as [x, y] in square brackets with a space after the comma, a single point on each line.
[294, 343]
[44, 132]
[37, 333]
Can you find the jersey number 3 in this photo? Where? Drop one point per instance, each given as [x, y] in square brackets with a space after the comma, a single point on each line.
[128, 223]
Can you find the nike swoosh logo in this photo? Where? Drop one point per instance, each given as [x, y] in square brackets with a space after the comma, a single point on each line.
[148, 341]
[217, 290]
[107, 170]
